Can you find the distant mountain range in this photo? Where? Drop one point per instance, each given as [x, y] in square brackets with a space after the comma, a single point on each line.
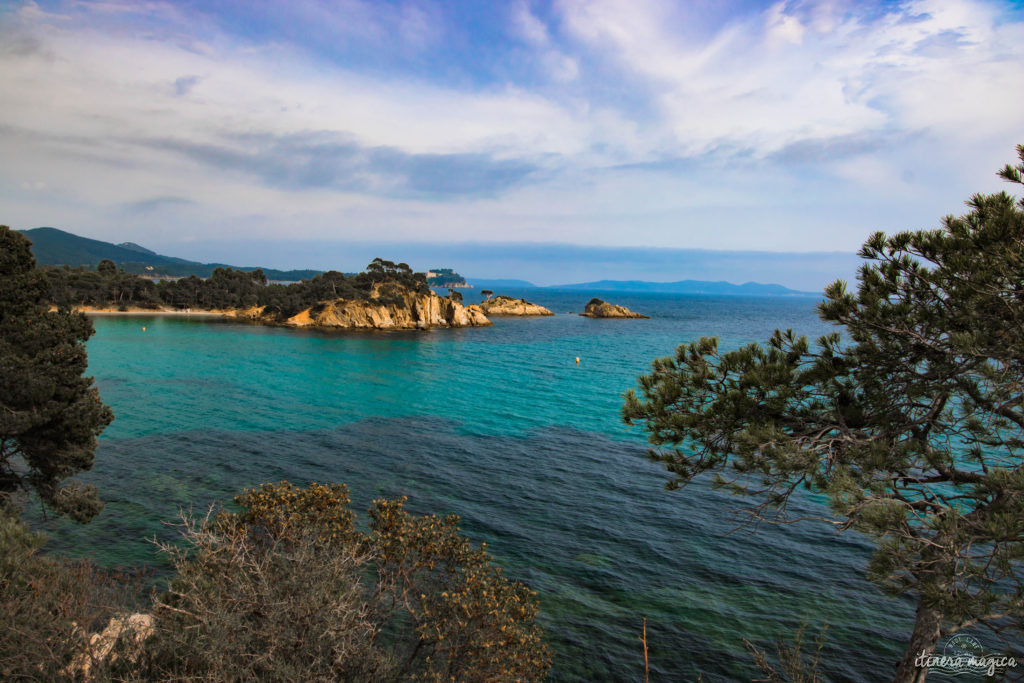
[498, 284]
[720, 288]
[55, 247]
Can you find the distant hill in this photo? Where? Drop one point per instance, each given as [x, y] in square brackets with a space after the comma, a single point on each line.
[721, 288]
[137, 247]
[497, 284]
[55, 247]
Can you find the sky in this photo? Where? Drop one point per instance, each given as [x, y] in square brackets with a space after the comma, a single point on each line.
[303, 134]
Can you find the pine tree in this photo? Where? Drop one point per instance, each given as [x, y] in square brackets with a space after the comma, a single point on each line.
[914, 425]
[50, 413]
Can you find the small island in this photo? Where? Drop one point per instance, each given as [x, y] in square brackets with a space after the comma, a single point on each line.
[596, 308]
[506, 305]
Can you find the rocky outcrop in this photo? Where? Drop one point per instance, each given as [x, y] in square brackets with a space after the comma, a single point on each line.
[602, 309]
[390, 306]
[506, 305]
[393, 310]
[131, 630]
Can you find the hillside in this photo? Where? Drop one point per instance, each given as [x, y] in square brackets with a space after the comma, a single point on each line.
[56, 248]
[481, 283]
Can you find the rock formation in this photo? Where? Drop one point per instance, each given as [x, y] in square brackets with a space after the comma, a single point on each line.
[395, 308]
[506, 305]
[133, 630]
[602, 309]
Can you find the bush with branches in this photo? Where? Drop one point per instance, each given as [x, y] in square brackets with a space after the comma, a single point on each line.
[288, 587]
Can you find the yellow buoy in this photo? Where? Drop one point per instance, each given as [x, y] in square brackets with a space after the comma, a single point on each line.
[143, 329]
[577, 360]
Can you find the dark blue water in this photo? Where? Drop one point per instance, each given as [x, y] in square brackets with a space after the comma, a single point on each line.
[501, 426]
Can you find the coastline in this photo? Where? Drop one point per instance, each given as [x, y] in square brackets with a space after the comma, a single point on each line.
[92, 310]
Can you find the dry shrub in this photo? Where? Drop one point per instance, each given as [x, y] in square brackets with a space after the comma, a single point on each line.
[288, 588]
[49, 606]
[248, 605]
[794, 664]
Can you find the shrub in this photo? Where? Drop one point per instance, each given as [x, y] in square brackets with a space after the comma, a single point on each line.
[288, 587]
[49, 606]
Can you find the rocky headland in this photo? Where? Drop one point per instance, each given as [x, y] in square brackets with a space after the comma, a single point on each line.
[506, 305]
[596, 308]
[389, 307]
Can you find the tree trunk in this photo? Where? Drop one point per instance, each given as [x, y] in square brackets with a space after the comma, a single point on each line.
[927, 628]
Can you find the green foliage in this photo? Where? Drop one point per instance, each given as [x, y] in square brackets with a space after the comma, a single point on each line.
[227, 288]
[288, 588]
[912, 426]
[445, 277]
[50, 413]
[106, 268]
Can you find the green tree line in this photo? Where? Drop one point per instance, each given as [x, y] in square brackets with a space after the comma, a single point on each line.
[226, 288]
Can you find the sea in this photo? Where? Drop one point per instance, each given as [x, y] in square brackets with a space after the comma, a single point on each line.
[501, 426]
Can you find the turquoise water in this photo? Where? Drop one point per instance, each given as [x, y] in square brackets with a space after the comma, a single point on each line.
[501, 426]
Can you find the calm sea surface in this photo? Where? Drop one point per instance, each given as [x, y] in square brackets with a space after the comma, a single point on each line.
[500, 426]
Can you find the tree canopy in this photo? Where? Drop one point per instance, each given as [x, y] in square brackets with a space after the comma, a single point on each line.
[912, 425]
[50, 412]
[225, 288]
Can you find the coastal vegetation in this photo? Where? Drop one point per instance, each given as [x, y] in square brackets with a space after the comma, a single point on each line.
[50, 413]
[285, 587]
[288, 587]
[226, 288]
[445, 277]
[385, 296]
[912, 425]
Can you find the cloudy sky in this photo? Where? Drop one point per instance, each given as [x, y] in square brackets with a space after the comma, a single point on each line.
[314, 124]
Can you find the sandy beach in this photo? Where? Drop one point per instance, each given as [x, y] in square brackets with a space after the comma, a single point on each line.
[189, 313]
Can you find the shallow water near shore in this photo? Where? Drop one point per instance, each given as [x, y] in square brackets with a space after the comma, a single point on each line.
[500, 426]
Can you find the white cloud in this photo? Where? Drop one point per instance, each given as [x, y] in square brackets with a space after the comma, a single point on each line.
[529, 27]
[95, 86]
[557, 65]
[791, 73]
[636, 122]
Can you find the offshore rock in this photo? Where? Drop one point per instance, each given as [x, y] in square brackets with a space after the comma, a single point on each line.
[602, 309]
[506, 305]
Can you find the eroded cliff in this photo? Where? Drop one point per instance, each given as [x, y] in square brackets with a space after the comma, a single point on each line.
[387, 309]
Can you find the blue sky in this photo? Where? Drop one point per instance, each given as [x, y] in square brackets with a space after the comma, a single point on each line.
[301, 129]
